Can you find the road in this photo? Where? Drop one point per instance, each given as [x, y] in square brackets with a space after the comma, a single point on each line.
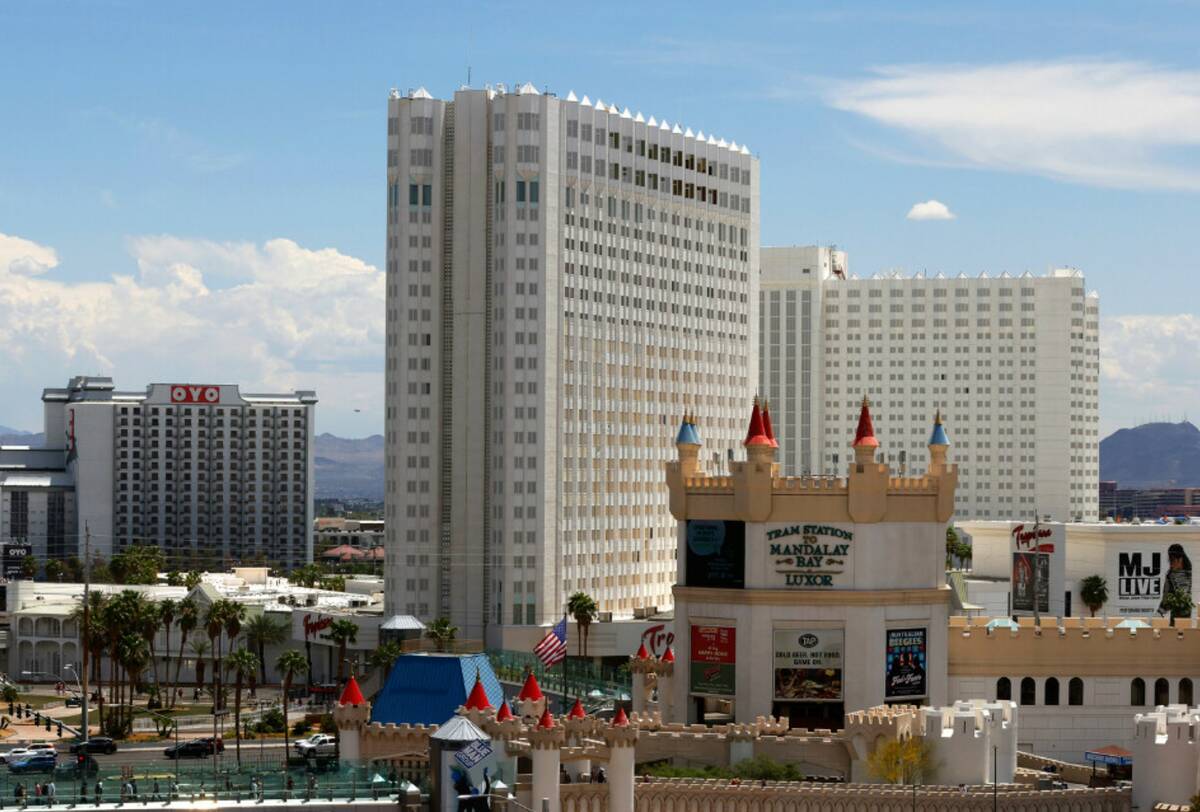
[143, 753]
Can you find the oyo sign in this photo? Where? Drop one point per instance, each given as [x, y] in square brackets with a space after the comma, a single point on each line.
[187, 393]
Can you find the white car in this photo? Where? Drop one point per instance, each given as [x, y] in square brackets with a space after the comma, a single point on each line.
[18, 753]
[318, 744]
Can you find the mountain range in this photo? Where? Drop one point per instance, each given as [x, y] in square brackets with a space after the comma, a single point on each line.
[1152, 455]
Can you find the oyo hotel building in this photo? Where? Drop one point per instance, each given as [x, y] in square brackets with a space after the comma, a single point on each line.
[562, 273]
[804, 597]
[1011, 361]
[211, 476]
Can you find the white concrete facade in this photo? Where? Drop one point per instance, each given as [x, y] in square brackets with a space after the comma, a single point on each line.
[209, 475]
[562, 276]
[1011, 362]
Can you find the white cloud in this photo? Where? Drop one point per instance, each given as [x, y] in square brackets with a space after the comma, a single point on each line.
[275, 316]
[930, 210]
[25, 257]
[1149, 369]
[1119, 124]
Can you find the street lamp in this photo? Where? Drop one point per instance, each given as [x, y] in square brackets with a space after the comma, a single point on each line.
[70, 667]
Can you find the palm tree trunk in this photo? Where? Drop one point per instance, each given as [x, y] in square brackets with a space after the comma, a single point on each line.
[287, 689]
[262, 659]
[237, 717]
[178, 666]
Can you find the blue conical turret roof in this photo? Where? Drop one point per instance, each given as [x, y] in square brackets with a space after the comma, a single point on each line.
[939, 431]
[687, 432]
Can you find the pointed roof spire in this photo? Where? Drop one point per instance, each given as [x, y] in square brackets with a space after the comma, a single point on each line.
[547, 721]
[352, 694]
[478, 699]
[687, 432]
[620, 720]
[770, 432]
[865, 435]
[530, 690]
[939, 431]
[577, 711]
[505, 713]
[669, 655]
[756, 434]
[642, 654]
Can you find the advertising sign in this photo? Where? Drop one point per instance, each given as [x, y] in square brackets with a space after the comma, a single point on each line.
[1039, 568]
[905, 676]
[190, 393]
[471, 771]
[1140, 576]
[811, 556]
[14, 556]
[808, 664]
[713, 660]
[716, 554]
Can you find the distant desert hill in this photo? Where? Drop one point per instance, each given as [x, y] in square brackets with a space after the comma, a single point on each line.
[349, 468]
[1153, 455]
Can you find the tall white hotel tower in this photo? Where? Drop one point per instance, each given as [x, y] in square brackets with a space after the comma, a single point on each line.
[562, 276]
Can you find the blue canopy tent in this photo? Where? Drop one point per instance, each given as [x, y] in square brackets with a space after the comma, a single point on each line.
[428, 688]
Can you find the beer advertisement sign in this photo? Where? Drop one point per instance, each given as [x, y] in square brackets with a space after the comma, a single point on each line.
[808, 664]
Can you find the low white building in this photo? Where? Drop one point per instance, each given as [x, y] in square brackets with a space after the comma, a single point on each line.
[1166, 753]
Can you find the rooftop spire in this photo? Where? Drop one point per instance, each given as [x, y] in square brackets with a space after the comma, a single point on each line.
[478, 699]
[687, 434]
[530, 690]
[766, 417]
[352, 694]
[938, 437]
[865, 435]
[755, 433]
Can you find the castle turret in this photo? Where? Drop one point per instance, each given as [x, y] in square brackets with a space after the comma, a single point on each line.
[939, 444]
[868, 480]
[531, 702]
[865, 444]
[351, 715]
[760, 448]
[545, 741]
[621, 738]
[766, 418]
[754, 477]
[687, 443]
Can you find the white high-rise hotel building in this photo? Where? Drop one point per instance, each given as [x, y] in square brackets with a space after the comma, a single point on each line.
[563, 277]
[1011, 361]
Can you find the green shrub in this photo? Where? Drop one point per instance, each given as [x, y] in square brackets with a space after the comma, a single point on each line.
[271, 722]
[328, 725]
[301, 727]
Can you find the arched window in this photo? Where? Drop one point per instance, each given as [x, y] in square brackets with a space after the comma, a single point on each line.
[1075, 691]
[1050, 692]
[1162, 692]
[1003, 688]
[1028, 691]
[1137, 692]
[1185, 692]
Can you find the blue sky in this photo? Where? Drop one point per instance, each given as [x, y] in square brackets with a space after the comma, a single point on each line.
[197, 191]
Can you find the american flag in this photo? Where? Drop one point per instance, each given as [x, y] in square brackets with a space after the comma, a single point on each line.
[553, 648]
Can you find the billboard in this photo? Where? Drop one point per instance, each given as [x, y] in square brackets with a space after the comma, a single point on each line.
[716, 554]
[811, 556]
[808, 664]
[712, 661]
[1141, 575]
[190, 393]
[1039, 568]
[905, 676]
[14, 556]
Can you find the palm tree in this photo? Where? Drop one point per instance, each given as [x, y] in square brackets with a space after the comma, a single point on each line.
[243, 664]
[149, 618]
[167, 610]
[1093, 590]
[189, 618]
[442, 633]
[262, 630]
[583, 608]
[200, 650]
[289, 664]
[384, 657]
[93, 637]
[343, 632]
[214, 623]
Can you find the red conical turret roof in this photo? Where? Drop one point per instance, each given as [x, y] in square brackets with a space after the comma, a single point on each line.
[577, 711]
[620, 720]
[865, 435]
[505, 713]
[352, 694]
[755, 433]
[669, 656]
[770, 432]
[478, 699]
[642, 654]
[530, 690]
[547, 721]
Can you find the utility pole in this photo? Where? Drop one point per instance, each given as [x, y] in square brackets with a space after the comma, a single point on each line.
[86, 637]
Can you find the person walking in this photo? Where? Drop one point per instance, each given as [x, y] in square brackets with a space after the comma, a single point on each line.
[51, 792]
[99, 791]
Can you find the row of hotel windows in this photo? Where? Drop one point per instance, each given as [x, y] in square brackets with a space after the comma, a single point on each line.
[1050, 692]
[655, 152]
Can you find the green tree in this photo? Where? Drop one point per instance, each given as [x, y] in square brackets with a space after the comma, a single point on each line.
[192, 579]
[243, 664]
[29, 567]
[384, 657]
[174, 578]
[138, 564]
[290, 663]
[189, 619]
[343, 632]
[902, 761]
[261, 631]
[308, 575]
[1179, 603]
[1093, 591]
[55, 570]
[583, 608]
[200, 650]
[442, 633]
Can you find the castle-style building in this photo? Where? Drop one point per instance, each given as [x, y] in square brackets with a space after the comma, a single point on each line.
[804, 597]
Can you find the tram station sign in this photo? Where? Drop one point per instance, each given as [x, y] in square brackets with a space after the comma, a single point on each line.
[810, 556]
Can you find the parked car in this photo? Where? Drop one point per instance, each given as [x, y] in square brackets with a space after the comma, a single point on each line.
[19, 753]
[318, 744]
[42, 762]
[196, 748]
[96, 744]
[74, 701]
